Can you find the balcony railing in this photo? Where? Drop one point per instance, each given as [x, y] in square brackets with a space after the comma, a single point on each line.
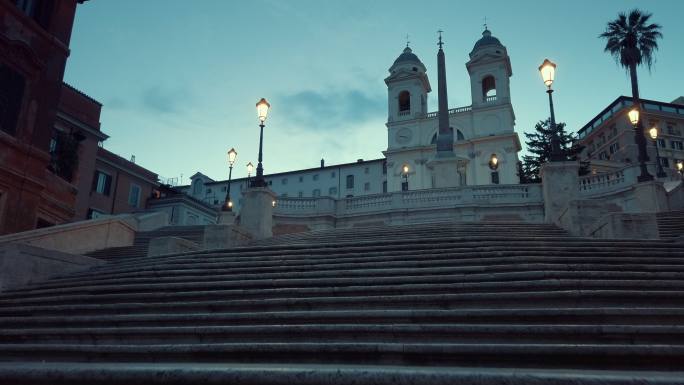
[415, 199]
[490, 99]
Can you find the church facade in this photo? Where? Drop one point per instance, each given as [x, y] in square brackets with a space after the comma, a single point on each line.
[480, 141]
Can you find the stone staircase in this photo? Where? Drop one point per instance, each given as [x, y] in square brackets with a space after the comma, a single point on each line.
[142, 240]
[486, 303]
[670, 224]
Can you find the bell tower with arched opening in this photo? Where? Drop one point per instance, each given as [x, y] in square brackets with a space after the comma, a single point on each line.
[490, 71]
[407, 88]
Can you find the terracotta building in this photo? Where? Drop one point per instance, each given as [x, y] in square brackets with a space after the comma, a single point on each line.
[118, 186]
[34, 46]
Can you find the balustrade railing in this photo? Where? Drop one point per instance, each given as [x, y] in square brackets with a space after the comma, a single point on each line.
[446, 197]
[490, 98]
[452, 111]
[606, 182]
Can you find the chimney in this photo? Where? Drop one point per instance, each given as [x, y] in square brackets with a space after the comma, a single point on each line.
[132, 158]
[322, 162]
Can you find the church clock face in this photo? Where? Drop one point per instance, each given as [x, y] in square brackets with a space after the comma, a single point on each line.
[404, 135]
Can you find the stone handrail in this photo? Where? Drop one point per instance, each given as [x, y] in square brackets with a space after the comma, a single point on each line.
[401, 200]
[607, 182]
[452, 111]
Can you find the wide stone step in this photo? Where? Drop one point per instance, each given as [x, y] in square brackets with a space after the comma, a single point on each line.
[402, 280]
[110, 373]
[347, 333]
[501, 316]
[212, 258]
[519, 299]
[616, 356]
[523, 269]
[313, 288]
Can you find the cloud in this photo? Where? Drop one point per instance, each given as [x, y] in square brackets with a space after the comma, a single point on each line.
[332, 109]
[164, 99]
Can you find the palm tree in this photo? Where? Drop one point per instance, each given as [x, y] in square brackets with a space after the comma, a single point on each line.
[632, 41]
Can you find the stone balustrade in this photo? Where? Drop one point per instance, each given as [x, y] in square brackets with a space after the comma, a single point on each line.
[608, 182]
[447, 197]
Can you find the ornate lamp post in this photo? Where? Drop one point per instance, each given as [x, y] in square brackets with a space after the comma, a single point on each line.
[653, 132]
[232, 155]
[404, 173]
[640, 139]
[262, 110]
[548, 73]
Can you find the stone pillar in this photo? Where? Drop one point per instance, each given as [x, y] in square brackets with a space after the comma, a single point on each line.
[651, 197]
[256, 214]
[560, 185]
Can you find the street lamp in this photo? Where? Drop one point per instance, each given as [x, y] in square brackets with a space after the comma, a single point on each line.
[653, 132]
[232, 155]
[680, 168]
[640, 139]
[548, 73]
[493, 162]
[404, 173]
[262, 111]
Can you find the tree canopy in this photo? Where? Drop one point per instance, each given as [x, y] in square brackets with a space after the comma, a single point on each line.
[539, 147]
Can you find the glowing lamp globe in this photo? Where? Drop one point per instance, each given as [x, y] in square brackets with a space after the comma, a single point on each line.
[262, 109]
[548, 72]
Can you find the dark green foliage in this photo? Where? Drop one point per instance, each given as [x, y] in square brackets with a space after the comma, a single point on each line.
[539, 147]
[631, 39]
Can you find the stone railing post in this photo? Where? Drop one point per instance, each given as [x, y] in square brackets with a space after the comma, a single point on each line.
[560, 185]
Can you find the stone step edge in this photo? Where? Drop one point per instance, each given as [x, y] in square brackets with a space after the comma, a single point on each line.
[390, 315]
[276, 374]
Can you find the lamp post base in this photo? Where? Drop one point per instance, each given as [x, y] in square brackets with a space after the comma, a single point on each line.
[256, 213]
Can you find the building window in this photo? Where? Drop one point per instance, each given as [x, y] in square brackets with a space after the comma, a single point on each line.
[404, 101]
[384, 186]
[102, 183]
[11, 96]
[366, 186]
[315, 177]
[316, 192]
[332, 174]
[301, 179]
[270, 183]
[215, 201]
[208, 191]
[350, 181]
[283, 181]
[384, 168]
[665, 162]
[196, 187]
[332, 191]
[94, 214]
[661, 143]
[134, 195]
[495, 177]
[366, 170]
[677, 145]
[300, 194]
[613, 148]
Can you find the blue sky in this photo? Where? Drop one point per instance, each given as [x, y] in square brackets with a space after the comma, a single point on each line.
[179, 80]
